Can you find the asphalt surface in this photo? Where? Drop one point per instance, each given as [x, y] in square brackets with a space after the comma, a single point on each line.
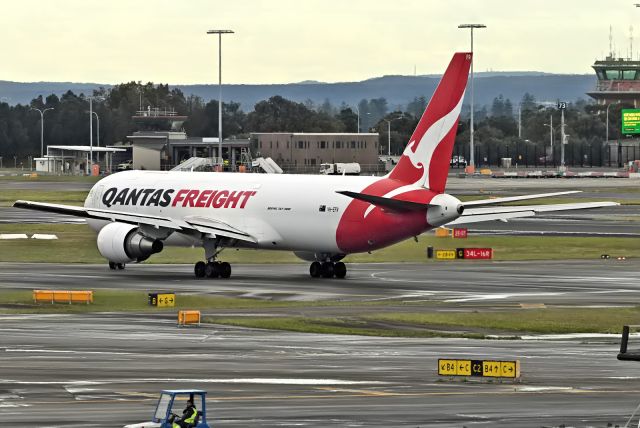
[107, 369]
[590, 282]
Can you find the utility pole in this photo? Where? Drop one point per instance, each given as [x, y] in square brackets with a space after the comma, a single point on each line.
[472, 164]
[219, 33]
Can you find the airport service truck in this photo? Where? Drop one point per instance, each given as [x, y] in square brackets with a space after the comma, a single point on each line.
[340, 168]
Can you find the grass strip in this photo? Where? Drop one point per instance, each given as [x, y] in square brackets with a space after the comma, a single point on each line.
[329, 325]
[69, 197]
[540, 321]
[21, 301]
[76, 243]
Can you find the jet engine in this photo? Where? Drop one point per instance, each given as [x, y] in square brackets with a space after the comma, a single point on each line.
[122, 243]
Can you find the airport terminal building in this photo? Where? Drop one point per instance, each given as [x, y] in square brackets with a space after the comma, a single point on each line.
[301, 152]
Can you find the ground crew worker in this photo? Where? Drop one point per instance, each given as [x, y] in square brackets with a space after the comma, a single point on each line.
[188, 416]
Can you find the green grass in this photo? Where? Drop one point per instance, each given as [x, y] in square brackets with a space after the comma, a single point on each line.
[511, 323]
[432, 324]
[77, 244]
[20, 177]
[328, 326]
[542, 321]
[130, 301]
[69, 197]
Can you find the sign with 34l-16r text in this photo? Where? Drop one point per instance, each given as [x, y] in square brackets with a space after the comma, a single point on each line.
[631, 121]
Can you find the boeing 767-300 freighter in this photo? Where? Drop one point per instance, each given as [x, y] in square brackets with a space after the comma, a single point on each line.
[320, 218]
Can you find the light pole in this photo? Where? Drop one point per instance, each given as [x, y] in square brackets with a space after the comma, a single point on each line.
[389, 131]
[41, 127]
[220, 33]
[358, 111]
[98, 134]
[550, 125]
[472, 164]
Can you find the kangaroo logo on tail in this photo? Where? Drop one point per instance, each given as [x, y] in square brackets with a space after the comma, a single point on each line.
[425, 160]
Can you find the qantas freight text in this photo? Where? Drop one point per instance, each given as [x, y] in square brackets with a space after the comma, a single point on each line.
[183, 197]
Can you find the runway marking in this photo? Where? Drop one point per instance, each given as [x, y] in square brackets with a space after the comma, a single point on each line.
[471, 297]
[358, 391]
[507, 391]
[259, 381]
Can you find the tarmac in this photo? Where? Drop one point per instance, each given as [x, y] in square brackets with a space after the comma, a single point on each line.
[106, 369]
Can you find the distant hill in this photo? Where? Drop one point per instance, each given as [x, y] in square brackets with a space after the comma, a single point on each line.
[398, 90]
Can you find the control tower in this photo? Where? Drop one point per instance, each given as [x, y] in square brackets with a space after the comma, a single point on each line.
[618, 81]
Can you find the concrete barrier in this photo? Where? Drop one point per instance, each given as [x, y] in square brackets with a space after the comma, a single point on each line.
[63, 296]
[43, 236]
[188, 317]
[13, 236]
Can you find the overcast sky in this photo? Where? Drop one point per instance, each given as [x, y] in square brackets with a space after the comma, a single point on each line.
[281, 41]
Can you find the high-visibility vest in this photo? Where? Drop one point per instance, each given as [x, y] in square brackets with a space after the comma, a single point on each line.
[192, 418]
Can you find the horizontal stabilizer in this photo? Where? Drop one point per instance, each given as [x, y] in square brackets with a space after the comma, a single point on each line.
[476, 215]
[388, 203]
[515, 198]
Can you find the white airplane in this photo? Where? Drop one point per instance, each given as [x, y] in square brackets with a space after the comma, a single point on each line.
[320, 218]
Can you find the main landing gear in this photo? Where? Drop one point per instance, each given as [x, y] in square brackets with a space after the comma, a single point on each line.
[212, 269]
[114, 266]
[328, 270]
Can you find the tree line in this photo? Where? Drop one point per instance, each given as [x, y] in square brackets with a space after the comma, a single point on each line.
[503, 129]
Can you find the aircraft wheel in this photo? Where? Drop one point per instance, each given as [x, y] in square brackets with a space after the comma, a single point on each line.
[199, 269]
[225, 270]
[315, 270]
[112, 266]
[340, 270]
[212, 270]
[120, 266]
[327, 270]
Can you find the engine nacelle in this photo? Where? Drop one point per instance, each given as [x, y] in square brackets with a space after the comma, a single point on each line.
[447, 208]
[123, 243]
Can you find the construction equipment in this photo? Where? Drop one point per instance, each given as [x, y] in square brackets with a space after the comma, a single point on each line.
[170, 405]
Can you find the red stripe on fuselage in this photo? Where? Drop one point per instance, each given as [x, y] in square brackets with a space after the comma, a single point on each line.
[356, 233]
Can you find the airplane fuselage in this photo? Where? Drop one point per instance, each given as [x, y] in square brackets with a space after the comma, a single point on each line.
[294, 212]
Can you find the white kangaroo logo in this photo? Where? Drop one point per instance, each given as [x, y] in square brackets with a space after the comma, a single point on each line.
[421, 157]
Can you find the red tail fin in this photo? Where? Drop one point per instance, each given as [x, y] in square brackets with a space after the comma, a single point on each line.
[425, 160]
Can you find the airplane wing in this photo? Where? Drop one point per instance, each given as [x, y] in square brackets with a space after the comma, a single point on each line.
[476, 215]
[206, 225]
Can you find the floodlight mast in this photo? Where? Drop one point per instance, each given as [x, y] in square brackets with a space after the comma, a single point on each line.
[471, 149]
[220, 33]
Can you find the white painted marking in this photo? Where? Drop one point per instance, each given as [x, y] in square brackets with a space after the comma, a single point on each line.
[478, 297]
[259, 381]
